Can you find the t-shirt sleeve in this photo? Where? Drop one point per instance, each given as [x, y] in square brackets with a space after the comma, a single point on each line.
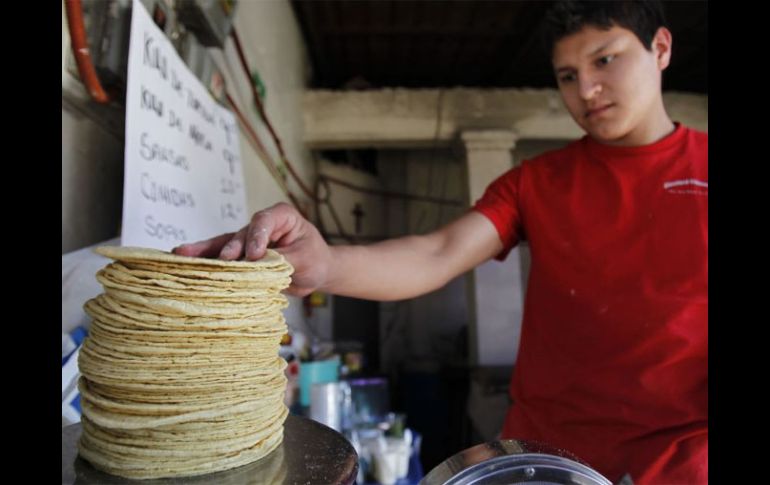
[500, 204]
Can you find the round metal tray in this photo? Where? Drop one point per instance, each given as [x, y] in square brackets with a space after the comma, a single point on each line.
[310, 453]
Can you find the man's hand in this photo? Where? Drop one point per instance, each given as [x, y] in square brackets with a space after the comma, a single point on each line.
[285, 230]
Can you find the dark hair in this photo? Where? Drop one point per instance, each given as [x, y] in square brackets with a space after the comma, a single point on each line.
[565, 17]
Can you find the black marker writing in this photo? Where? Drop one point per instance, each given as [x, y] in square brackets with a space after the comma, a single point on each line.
[151, 102]
[154, 151]
[196, 105]
[156, 192]
[163, 231]
[153, 58]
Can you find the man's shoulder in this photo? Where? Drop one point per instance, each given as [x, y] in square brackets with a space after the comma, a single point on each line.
[698, 136]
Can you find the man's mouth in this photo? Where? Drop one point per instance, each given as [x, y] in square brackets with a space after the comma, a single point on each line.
[598, 110]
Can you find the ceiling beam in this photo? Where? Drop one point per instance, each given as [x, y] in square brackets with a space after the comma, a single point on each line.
[404, 118]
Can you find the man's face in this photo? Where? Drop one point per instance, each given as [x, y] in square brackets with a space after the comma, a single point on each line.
[609, 82]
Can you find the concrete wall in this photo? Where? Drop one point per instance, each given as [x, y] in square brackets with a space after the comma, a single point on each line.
[91, 183]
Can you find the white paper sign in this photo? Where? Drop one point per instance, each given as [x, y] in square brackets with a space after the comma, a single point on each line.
[183, 174]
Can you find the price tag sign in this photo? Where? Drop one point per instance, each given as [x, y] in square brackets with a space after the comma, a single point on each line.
[183, 174]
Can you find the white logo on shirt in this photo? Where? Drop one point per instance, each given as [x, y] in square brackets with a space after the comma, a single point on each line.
[687, 186]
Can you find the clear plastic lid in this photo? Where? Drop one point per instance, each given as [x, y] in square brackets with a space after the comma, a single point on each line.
[513, 462]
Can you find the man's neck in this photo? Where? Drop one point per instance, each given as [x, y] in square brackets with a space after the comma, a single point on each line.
[658, 127]
[656, 131]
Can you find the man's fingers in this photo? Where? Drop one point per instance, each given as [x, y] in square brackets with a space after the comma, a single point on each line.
[251, 241]
[257, 243]
[234, 248]
[209, 248]
[259, 233]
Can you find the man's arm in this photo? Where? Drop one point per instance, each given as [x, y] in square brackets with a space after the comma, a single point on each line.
[410, 266]
[389, 270]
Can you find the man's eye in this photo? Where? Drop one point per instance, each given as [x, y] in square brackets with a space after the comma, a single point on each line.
[566, 78]
[605, 60]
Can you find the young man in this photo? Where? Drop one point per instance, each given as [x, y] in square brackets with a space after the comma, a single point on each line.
[613, 359]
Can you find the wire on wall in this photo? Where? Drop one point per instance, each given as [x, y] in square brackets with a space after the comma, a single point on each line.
[261, 109]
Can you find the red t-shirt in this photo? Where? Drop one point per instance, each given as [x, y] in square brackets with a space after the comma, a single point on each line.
[613, 359]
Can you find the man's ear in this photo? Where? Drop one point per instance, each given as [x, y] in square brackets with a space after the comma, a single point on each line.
[661, 47]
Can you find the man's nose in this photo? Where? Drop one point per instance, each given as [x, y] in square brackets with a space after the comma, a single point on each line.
[589, 86]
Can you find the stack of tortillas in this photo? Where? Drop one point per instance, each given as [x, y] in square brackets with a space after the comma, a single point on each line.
[180, 372]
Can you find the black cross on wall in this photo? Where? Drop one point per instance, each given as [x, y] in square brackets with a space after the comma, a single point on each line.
[358, 212]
